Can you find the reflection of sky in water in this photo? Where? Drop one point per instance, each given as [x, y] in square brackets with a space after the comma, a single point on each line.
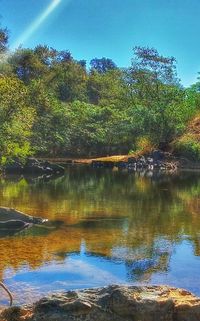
[183, 270]
[106, 227]
[82, 270]
[76, 271]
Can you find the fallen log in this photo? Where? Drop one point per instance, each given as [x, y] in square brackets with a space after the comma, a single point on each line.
[8, 292]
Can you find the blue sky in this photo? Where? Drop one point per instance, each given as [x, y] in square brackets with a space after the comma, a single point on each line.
[111, 28]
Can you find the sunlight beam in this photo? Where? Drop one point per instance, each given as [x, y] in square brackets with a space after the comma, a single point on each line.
[36, 23]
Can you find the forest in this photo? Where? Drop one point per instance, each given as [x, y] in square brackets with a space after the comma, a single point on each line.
[53, 105]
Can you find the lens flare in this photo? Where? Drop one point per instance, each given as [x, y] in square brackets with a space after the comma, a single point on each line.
[36, 24]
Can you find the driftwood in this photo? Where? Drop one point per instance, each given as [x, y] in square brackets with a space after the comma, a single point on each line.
[8, 292]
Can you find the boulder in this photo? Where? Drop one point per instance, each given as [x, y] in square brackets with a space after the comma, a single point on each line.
[119, 303]
[33, 166]
[158, 155]
[13, 225]
[132, 160]
[10, 214]
[57, 169]
[15, 168]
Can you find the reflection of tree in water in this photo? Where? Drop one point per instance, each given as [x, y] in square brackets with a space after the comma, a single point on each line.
[153, 258]
[111, 211]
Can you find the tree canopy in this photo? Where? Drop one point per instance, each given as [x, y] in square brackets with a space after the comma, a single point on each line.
[53, 104]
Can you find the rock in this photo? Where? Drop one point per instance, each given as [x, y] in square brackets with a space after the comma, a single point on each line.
[96, 164]
[44, 167]
[102, 164]
[35, 167]
[13, 225]
[57, 169]
[7, 214]
[158, 155]
[132, 160]
[150, 160]
[14, 168]
[119, 303]
[121, 164]
[37, 170]
[32, 162]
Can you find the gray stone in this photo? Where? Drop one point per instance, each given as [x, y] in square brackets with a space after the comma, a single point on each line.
[112, 303]
[7, 214]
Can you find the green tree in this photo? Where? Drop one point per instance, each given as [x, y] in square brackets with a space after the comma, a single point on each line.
[16, 119]
[156, 96]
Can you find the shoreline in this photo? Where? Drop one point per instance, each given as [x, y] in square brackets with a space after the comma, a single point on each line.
[151, 160]
[119, 161]
[114, 302]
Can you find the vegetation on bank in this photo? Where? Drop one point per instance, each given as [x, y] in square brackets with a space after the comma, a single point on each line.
[53, 105]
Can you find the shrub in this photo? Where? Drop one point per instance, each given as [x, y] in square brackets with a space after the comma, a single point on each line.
[188, 146]
[143, 145]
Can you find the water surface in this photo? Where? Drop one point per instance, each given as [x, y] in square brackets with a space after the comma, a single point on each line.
[107, 227]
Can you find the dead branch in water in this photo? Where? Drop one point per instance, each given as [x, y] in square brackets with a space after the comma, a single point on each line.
[8, 292]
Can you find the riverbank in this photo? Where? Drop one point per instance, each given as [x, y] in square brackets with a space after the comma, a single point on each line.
[154, 160]
[119, 303]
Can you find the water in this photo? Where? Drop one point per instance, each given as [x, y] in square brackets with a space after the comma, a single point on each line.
[106, 227]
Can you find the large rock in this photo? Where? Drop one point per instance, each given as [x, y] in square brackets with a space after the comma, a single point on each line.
[113, 303]
[34, 167]
[10, 214]
[13, 224]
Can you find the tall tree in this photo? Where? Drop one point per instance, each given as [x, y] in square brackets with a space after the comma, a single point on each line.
[155, 94]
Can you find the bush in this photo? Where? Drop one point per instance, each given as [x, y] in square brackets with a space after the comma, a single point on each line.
[143, 145]
[188, 146]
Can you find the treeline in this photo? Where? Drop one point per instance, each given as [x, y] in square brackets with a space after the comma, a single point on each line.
[54, 105]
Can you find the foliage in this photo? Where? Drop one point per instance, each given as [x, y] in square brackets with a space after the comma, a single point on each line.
[143, 145]
[102, 65]
[188, 146]
[16, 119]
[3, 40]
[189, 143]
[51, 104]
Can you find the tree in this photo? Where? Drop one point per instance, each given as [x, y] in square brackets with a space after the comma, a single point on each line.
[102, 65]
[67, 80]
[105, 88]
[47, 56]
[3, 40]
[16, 119]
[28, 64]
[155, 94]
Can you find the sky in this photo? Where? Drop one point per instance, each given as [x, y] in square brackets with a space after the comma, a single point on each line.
[109, 28]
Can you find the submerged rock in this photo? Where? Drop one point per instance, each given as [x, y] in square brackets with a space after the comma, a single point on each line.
[113, 303]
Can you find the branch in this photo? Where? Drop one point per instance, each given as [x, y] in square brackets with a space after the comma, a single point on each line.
[8, 292]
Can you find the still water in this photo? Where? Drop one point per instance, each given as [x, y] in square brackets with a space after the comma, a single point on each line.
[105, 227]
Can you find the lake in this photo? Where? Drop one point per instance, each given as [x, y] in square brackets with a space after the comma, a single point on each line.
[106, 227]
